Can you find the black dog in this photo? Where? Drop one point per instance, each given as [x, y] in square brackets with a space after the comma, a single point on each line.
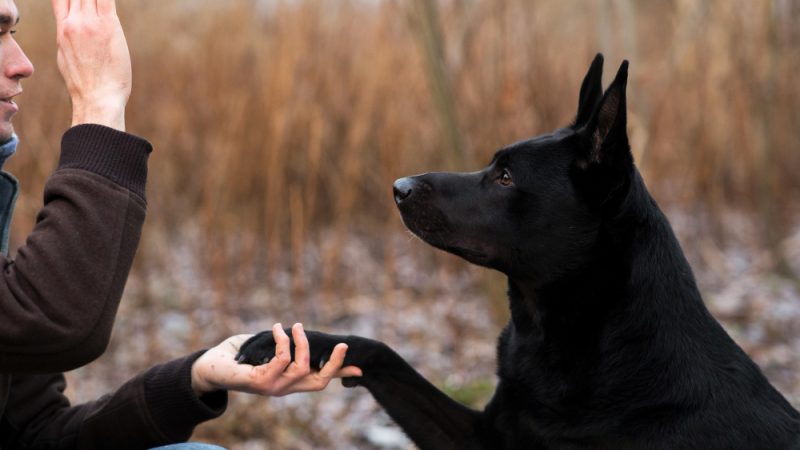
[609, 345]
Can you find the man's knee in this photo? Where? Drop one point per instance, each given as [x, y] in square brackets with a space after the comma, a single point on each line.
[190, 446]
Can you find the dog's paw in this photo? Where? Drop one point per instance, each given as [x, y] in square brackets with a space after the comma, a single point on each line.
[351, 382]
[257, 350]
[260, 348]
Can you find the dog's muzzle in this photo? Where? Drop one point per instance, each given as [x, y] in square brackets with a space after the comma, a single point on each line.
[403, 188]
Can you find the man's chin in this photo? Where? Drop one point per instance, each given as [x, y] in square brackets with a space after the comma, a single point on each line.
[6, 131]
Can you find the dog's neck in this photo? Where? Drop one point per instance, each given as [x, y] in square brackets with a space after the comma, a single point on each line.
[587, 297]
[638, 294]
[556, 310]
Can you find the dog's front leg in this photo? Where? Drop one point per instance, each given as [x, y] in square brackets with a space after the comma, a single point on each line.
[429, 417]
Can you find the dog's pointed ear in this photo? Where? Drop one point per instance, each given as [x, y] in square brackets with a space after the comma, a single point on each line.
[606, 130]
[591, 91]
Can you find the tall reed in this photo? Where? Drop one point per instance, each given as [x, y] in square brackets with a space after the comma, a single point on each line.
[262, 115]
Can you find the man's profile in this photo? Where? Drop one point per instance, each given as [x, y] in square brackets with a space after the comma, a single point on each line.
[60, 293]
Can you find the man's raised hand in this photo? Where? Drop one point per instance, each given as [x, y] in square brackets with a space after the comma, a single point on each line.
[94, 60]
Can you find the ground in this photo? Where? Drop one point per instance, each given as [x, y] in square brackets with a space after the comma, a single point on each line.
[443, 316]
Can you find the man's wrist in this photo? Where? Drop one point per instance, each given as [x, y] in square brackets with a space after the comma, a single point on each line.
[113, 154]
[111, 114]
[171, 402]
[199, 385]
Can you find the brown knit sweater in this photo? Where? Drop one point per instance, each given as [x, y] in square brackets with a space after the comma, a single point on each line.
[58, 299]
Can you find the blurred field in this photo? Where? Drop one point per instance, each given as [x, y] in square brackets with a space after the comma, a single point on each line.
[279, 127]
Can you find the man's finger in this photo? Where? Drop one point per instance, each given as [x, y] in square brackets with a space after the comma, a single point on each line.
[301, 351]
[349, 371]
[60, 9]
[106, 7]
[283, 355]
[87, 6]
[235, 342]
[335, 363]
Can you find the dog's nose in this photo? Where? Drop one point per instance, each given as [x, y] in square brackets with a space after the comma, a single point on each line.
[402, 189]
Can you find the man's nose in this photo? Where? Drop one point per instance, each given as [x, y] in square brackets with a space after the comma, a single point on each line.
[16, 64]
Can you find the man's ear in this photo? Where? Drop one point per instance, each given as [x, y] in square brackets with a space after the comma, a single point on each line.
[591, 90]
[606, 130]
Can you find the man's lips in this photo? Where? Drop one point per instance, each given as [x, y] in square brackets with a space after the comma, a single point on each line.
[10, 96]
[9, 100]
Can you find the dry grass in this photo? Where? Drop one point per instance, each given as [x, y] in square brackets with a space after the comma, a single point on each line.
[280, 125]
[285, 117]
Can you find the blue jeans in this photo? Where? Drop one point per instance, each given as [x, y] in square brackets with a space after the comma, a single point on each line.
[189, 446]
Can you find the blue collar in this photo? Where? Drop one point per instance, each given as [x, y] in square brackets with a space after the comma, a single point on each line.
[8, 148]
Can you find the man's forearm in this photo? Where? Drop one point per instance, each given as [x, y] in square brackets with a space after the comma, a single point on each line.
[59, 296]
[156, 407]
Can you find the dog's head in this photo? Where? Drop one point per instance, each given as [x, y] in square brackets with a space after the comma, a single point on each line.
[535, 211]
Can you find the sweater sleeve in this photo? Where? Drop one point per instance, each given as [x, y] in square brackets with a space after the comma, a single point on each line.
[157, 407]
[58, 298]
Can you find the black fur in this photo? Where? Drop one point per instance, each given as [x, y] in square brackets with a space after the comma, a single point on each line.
[610, 345]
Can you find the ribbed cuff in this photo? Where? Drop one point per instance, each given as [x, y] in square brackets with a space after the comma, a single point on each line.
[118, 156]
[173, 405]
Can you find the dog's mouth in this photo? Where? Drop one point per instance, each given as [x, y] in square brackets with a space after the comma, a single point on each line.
[427, 223]
[467, 253]
[434, 229]
[471, 254]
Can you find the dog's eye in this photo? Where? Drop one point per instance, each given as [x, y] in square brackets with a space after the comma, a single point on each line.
[505, 179]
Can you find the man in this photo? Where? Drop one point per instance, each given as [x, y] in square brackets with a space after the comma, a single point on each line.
[59, 296]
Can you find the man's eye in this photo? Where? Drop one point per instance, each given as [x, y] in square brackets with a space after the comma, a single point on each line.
[505, 179]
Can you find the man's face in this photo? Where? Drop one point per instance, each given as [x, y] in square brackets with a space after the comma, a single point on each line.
[14, 66]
